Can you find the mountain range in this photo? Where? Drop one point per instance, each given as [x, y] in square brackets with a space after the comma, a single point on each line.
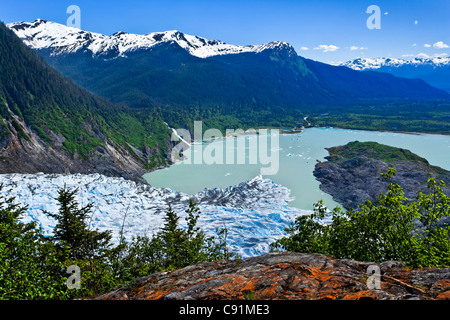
[110, 110]
[42, 34]
[186, 77]
[434, 70]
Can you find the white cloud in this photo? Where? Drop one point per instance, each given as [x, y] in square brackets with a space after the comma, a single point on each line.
[416, 22]
[407, 55]
[386, 13]
[440, 45]
[304, 48]
[414, 44]
[353, 48]
[327, 47]
[426, 45]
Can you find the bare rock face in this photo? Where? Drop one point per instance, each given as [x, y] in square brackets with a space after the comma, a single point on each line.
[285, 275]
[32, 155]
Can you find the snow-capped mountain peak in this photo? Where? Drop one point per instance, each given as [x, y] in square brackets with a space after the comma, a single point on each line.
[376, 63]
[43, 34]
[434, 70]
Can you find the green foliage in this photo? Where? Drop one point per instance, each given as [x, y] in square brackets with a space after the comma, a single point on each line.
[4, 130]
[19, 129]
[72, 231]
[30, 267]
[374, 150]
[173, 247]
[390, 229]
[426, 117]
[33, 266]
[47, 101]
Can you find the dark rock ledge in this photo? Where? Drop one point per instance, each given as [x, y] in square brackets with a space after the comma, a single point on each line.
[285, 275]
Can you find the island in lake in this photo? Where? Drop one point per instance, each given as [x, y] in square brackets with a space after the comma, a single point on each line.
[352, 173]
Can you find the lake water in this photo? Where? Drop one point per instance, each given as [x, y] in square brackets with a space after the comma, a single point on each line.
[298, 154]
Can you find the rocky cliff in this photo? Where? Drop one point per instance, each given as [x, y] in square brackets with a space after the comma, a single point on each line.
[50, 125]
[352, 173]
[285, 275]
[33, 155]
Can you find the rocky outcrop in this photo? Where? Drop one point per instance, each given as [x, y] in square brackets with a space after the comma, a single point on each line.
[352, 173]
[285, 275]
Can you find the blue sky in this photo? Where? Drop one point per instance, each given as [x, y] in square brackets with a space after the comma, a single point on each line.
[327, 31]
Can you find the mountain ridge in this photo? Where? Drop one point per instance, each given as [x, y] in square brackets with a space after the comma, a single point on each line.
[51, 125]
[375, 63]
[265, 85]
[44, 34]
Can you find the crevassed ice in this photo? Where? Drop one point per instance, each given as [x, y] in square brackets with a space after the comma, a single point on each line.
[255, 212]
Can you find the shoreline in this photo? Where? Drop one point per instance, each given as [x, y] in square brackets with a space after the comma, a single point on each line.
[283, 133]
[287, 133]
[388, 131]
[366, 135]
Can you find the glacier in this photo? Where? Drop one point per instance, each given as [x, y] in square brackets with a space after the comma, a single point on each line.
[255, 212]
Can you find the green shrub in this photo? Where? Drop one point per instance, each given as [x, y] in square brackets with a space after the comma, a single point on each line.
[385, 230]
[29, 264]
[173, 247]
[33, 266]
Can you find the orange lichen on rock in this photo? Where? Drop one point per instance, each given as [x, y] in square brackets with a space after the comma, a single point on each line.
[368, 294]
[286, 275]
[269, 291]
[319, 274]
[444, 296]
[155, 295]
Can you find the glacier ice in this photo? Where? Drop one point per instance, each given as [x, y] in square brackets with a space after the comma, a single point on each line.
[255, 212]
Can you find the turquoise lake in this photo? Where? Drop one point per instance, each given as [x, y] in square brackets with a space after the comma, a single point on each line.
[297, 156]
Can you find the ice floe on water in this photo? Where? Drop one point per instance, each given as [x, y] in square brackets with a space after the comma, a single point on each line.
[255, 212]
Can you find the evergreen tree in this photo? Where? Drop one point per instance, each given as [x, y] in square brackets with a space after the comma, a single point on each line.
[173, 239]
[72, 228]
[173, 246]
[29, 263]
[33, 266]
[90, 250]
